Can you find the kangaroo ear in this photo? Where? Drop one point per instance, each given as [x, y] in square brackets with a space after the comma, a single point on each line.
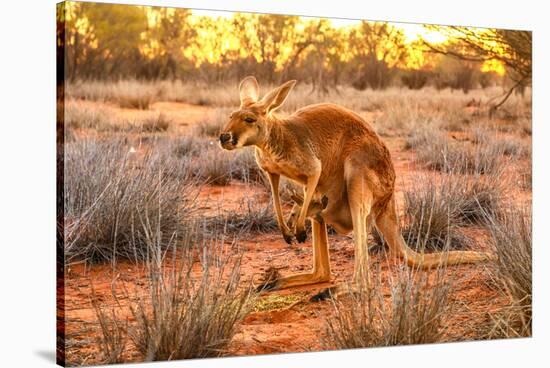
[299, 200]
[249, 91]
[274, 99]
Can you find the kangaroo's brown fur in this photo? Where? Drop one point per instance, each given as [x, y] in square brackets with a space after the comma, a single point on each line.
[335, 154]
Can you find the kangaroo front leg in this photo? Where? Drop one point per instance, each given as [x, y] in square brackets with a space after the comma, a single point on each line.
[309, 190]
[274, 181]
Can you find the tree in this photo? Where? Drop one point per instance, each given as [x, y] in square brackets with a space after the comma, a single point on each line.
[267, 37]
[378, 48]
[167, 39]
[103, 39]
[323, 48]
[512, 48]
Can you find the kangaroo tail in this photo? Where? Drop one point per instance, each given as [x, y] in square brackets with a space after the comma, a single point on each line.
[388, 224]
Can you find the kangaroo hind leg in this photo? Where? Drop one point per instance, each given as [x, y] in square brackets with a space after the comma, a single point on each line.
[360, 199]
[321, 264]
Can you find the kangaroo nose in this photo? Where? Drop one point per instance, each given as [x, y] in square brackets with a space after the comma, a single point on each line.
[225, 137]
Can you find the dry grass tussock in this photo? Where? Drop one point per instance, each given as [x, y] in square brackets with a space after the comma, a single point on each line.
[186, 318]
[113, 331]
[427, 104]
[105, 119]
[251, 216]
[511, 236]
[209, 163]
[110, 192]
[412, 313]
[436, 208]
[435, 151]
[191, 306]
[212, 123]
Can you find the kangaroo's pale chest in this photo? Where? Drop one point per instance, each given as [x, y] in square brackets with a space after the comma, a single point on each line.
[280, 166]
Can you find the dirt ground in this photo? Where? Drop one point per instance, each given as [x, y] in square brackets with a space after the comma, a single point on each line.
[292, 328]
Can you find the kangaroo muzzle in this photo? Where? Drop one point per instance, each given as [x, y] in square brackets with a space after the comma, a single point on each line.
[225, 137]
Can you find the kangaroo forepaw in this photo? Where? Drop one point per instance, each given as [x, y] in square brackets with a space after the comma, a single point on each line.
[288, 238]
[267, 286]
[323, 295]
[301, 236]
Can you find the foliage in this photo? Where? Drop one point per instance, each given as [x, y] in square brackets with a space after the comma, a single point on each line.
[513, 49]
[108, 194]
[108, 41]
[378, 47]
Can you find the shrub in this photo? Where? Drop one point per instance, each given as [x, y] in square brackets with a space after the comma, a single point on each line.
[514, 148]
[433, 212]
[113, 334]
[420, 138]
[436, 209]
[481, 135]
[252, 216]
[415, 79]
[128, 94]
[189, 145]
[158, 123]
[212, 123]
[412, 314]
[135, 100]
[445, 156]
[185, 315]
[511, 234]
[214, 167]
[245, 167]
[109, 190]
[80, 116]
[478, 195]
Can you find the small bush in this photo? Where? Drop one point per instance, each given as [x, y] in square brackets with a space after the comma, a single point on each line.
[113, 336]
[213, 123]
[416, 79]
[457, 157]
[245, 168]
[183, 315]
[511, 233]
[481, 136]
[436, 209]
[80, 116]
[135, 101]
[127, 94]
[158, 123]
[478, 195]
[189, 145]
[514, 148]
[109, 190]
[433, 212]
[251, 216]
[412, 314]
[420, 138]
[214, 167]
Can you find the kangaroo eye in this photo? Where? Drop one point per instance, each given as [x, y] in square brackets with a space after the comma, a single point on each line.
[249, 120]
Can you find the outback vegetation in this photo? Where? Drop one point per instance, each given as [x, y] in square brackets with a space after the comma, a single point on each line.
[165, 234]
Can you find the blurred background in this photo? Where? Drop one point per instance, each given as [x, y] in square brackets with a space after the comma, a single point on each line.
[110, 42]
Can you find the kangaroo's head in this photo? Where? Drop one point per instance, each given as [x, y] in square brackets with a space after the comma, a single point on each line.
[249, 124]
